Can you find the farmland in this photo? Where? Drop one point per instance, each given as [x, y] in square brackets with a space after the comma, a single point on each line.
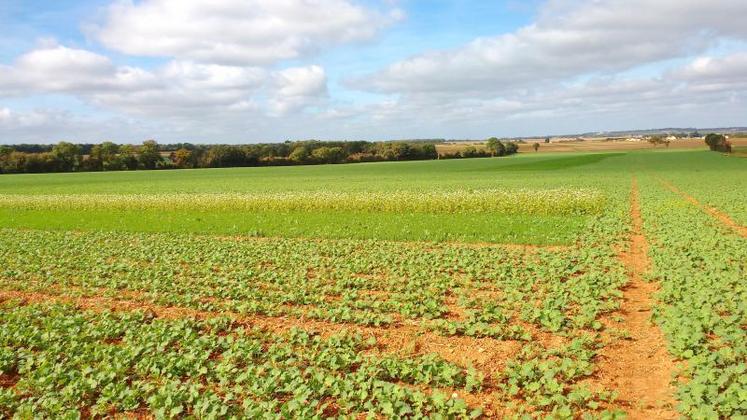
[541, 285]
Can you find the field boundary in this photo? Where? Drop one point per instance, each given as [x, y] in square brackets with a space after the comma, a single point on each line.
[638, 367]
[714, 212]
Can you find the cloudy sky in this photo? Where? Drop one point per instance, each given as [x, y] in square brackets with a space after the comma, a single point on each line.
[238, 71]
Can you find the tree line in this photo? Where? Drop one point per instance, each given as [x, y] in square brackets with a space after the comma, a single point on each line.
[109, 156]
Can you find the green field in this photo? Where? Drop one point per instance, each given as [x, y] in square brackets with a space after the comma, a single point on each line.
[538, 219]
[495, 287]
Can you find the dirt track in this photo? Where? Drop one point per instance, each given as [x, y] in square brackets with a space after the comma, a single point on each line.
[639, 368]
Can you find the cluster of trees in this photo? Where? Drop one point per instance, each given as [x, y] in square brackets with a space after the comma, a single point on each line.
[108, 156]
[493, 147]
[298, 153]
[68, 157]
[657, 140]
[718, 143]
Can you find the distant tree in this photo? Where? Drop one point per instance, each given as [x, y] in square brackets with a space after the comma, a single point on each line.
[425, 151]
[127, 158]
[666, 143]
[495, 147]
[5, 153]
[13, 162]
[715, 142]
[390, 151]
[44, 162]
[66, 156]
[108, 153]
[547, 139]
[328, 154]
[183, 158]
[222, 156]
[469, 151]
[149, 155]
[300, 154]
[102, 157]
[536, 146]
[656, 140]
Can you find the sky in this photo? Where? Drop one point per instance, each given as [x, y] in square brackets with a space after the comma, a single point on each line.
[246, 71]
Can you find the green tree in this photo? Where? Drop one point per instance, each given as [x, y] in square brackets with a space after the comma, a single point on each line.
[11, 162]
[127, 158]
[149, 155]
[536, 146]
[656, 140]
[469, 152]
[108, 155]
[328, 154]
[495, 147]
[715, 142]
[66, 156]
[300, 154]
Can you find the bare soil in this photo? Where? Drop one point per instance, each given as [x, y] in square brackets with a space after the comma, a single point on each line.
[639, 368]
[487, 355]
[8, 380]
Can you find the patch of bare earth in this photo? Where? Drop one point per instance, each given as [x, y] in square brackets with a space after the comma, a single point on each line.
[8, 380]
[719, 215]
[639, 367]
[406, 339]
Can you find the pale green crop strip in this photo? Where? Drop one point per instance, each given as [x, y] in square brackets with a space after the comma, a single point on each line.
[515, 201]
[702, 269]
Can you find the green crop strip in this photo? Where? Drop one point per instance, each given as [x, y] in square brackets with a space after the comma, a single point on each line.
[703, 302]
[119, 362]
[560, 201]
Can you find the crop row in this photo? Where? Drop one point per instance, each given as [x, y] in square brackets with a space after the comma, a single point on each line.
[362, 282]
[701, 266]
[511, 201]
[128, 361]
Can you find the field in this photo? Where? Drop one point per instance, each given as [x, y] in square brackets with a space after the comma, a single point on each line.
[556, 285]
[597, 145]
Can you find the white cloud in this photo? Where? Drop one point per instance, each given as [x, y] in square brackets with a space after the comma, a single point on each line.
[298, 87]
[179, 88]
[236, 32]
[54, 68]
[569, 39]
[10, 120]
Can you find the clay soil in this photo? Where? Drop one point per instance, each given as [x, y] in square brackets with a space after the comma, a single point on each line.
[639, 367]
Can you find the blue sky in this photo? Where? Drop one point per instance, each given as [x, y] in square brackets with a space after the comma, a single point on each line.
[268, 70]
